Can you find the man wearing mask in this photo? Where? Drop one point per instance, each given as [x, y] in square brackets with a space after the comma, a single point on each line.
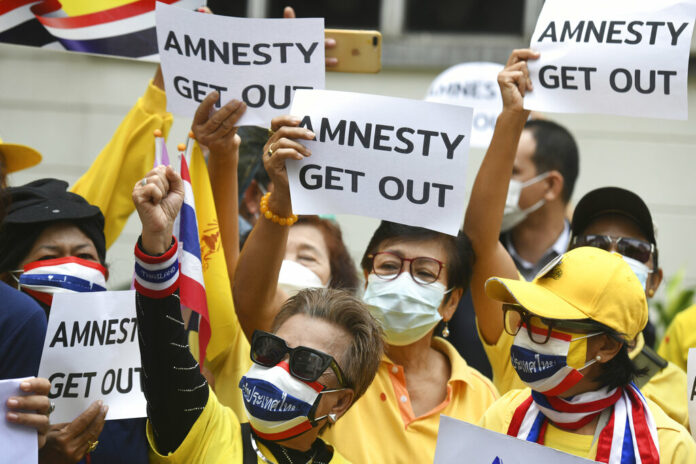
[534, 228]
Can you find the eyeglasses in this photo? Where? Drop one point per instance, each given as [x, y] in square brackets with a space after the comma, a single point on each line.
[423, 270]
[538, 328]
[640, 250]
[305, 363]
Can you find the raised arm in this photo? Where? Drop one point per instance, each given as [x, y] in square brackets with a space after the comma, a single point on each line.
[174, 388]
[485, 211]
[257, 298]
[217, 131]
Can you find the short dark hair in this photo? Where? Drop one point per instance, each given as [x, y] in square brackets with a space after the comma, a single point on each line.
[556, 150]
[620, 370]
[344, 275]
[361, 360]
[460, 254]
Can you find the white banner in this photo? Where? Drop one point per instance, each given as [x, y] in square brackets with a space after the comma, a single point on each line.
[91, 353]
[691, 389]
[259, 61]
[384, 157]
[459, 442]
[623, 57]
[474, 85]
[19, 443]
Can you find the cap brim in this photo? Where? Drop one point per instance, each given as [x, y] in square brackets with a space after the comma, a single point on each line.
[612, 200]
[534, 298]
[18, 157]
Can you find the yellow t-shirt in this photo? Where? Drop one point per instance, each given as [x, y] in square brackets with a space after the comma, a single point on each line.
[215, 438]
[676, 444]
[666, 388]
[680, 336]
[381, 427]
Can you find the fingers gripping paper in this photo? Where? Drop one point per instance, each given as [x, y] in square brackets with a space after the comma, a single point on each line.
[389, 158]
[624, 57]
[91, 353]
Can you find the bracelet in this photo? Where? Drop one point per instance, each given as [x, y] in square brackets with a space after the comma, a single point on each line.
[270, 215]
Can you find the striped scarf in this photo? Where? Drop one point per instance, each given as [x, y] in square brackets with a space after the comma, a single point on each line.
[629, 437]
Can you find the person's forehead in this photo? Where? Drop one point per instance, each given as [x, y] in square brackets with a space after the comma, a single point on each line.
[306, 236]
[63, 233]
[431, 248]
[615, 225]
[525, 149]
[302, 330]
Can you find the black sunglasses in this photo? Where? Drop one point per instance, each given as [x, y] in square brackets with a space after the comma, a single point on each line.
[305, 363]
[640, 250]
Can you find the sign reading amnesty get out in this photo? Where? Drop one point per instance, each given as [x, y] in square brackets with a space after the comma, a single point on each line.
[259, 61]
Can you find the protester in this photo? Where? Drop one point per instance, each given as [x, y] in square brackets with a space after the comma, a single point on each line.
[321, 330]
[415, 278]
[49, 232]
[572, 327]
[616, 219]
[679, 338]
[22, 322]
[483, 218]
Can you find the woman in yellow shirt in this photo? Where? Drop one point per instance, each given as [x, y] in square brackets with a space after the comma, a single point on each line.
[571, 326]
[296, 386]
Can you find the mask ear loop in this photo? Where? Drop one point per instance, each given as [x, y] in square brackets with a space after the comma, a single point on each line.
[332, 417]
[593, 360]
[16, 277]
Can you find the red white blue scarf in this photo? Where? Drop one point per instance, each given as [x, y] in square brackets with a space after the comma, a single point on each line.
[629, 437]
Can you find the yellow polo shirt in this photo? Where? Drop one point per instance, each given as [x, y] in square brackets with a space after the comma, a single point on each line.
[215, 438]
[381, 427]
[676, 444]
[680, 336]
[666, 388]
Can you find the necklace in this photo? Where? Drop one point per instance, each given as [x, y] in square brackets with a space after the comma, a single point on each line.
[268, 461]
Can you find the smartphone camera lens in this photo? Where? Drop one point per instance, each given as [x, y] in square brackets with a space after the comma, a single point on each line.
[375, 41]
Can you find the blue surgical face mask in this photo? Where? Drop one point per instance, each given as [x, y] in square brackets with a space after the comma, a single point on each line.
[639, 269]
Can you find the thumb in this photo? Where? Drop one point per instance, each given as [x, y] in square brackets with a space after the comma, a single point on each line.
[289, 13]
[176, 185]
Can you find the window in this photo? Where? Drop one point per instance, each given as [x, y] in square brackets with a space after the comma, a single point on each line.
[228, 8]
[355, 14]
[465, 16]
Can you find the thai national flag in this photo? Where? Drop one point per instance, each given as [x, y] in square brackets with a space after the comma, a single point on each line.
[191, 284]
[127, 30]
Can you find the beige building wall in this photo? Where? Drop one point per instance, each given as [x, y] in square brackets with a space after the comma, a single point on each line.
[68, 105]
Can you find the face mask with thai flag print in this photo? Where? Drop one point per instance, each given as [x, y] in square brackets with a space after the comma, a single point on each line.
[551, 368]
[42, 279]
[280, 406]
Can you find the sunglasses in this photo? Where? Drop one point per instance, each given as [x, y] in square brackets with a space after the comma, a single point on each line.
[640, 250]
[305, 363]
[539, 328]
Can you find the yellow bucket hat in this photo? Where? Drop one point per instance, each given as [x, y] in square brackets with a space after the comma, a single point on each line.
[584, 283]
[18, 157]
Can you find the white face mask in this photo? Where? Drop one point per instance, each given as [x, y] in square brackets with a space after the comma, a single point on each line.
[513, 214]
[294, 277]
[406, 309]
[639, 269]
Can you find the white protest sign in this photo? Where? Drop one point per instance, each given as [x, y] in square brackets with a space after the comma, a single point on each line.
[459, 442]
[623, 57]
[91, 353]
[384, 157]
[19, 443]
[474, 85]
[691, 389]
[259, 61]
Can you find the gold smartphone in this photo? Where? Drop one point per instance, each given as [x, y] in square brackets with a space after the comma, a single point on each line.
[357, 51]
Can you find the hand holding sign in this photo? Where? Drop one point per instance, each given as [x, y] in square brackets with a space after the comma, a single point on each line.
[217, 130]
[514, 81]
[33, 408]
[158, 199]
[68, 443]
[329, 43]
[281, 146]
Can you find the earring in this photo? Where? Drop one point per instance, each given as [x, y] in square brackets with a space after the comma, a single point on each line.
[333, 418]
[445, 331]
[651, 293]
[598, 358]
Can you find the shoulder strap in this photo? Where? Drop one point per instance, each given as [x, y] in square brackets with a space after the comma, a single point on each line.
[249, 455]
[650, 360]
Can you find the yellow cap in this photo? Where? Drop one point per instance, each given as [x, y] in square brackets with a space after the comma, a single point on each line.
[584, 283]
[18, 157]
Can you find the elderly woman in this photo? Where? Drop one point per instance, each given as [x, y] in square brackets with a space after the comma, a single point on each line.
[572, 326]
[415, 278]
[320, 356]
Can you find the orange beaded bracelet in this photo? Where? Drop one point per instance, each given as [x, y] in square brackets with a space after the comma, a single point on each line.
[270, 215]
